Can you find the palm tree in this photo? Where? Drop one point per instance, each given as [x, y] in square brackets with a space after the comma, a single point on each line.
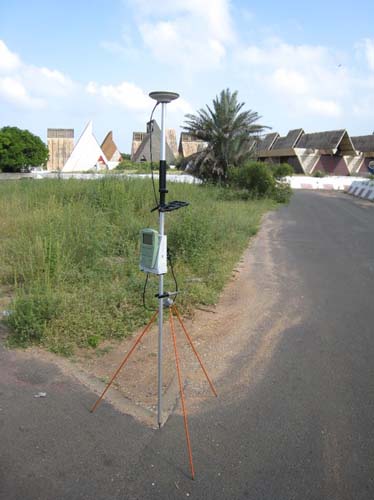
[228, 132]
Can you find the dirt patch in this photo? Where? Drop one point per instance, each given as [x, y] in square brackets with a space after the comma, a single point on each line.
[242, 321]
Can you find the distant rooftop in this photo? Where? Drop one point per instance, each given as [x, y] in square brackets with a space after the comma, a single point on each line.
[321, 140]
[60, 133]
[364, 143]
[289, 140]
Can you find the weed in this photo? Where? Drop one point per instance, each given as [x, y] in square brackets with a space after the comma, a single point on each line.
[69, 251]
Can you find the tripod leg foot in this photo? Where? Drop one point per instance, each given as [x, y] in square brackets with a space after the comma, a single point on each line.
[174, 309]
[172, 331]
[139, 338]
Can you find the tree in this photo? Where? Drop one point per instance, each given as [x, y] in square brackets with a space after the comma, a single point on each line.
[229, 133]
[20, 149]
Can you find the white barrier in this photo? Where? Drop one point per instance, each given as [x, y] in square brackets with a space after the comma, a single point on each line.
[339, 183]
[362, 189]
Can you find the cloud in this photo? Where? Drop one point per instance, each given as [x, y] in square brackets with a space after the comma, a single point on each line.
[12, 90]
[30, 86]
[274, 51]
[368, 48]
[126, 94]
[328, 108]
[9, 61]
[306, 77]
[214, 14]
[48, 83]
[190, 34]
[129, 96]
[56, 77]
[290, 81]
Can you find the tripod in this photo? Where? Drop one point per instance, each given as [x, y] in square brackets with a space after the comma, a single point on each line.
[173, 311]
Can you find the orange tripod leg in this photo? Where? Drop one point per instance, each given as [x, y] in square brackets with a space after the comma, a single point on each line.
[174, 308]
[124, 361]
[172, 331]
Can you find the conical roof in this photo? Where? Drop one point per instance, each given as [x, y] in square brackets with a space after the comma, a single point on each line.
[87, 153]
[143, 151]
[110, 148]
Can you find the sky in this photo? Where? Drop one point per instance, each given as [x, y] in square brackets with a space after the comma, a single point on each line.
[298, 65]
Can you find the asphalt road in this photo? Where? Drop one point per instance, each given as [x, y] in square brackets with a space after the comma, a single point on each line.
[303, 429]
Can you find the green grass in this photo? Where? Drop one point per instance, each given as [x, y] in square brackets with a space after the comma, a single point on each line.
[70, 251]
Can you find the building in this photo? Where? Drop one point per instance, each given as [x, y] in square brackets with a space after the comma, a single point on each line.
[87, 155]
[171, 139]
[60, 143]
[142, 152]
[365, 144]
[137, 138]
[189, 145]
[111, 151]
[331, 152]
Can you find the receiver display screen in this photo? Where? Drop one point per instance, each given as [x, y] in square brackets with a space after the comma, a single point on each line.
[147, 239]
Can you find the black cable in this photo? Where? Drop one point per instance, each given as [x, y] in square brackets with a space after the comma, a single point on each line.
[144, 292]
[150, 153]
[173, 274]
[144, 289]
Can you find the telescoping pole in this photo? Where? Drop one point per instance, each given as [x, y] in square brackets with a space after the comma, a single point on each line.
[163, 98]
[163, 191]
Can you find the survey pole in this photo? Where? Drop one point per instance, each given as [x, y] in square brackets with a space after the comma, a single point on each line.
[163, 98]
[163, 191]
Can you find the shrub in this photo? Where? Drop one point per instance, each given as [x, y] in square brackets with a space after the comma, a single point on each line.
[260, 180]
[126, 165]
[31, 312]
[282, 170]
[319, 173]
[132, 165]
[282, 192]
[255, 177]
[20, 150]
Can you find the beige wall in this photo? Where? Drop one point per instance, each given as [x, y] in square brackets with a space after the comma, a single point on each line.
[59, 151]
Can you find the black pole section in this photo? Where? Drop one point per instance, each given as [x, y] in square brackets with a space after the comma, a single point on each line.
[162, 182]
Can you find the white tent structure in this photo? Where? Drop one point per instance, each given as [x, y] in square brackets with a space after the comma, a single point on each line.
[87, 154]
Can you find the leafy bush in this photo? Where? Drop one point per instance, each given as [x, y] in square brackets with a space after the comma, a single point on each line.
[282, 192]
[260, 180]
[126, 164]
[30, 315]
[255, 177]
[282, 170]
[20, 149]
[319, 173]
[132, 165]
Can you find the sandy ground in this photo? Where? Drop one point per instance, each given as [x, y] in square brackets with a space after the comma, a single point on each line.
[219, 334]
